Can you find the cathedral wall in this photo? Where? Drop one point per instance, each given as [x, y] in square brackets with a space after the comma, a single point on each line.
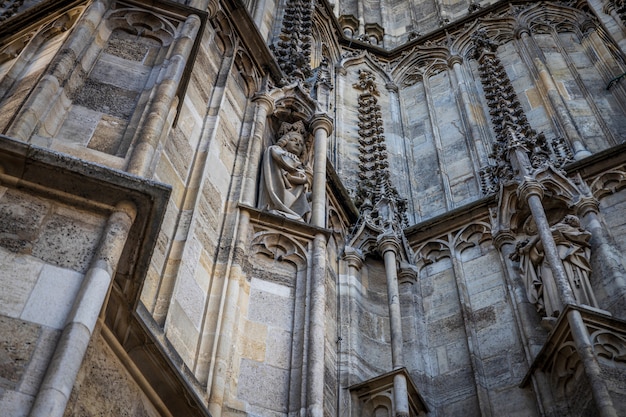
[369, 315]
[176, 166]
[269, 360]
[104, 386]
[608, 290]
[474, 357]
[199, 239]
[45, 250]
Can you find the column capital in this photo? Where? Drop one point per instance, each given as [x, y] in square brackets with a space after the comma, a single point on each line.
[322, 121]
[529, 187]
[503, 237]
[522, 31]
[264, 99]
[407, 272]
[388, 242]
[587, 205]
[353, 256]
[390, 86]
[212, 8]
[455, 59]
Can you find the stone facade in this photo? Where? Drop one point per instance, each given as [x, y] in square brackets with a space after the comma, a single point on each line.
[294, 207]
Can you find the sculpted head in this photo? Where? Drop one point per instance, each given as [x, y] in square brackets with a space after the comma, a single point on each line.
[292, 142]
[571, 220]
[292, 137]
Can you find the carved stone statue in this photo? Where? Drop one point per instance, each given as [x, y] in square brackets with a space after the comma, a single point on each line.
[572, 243]
[285, 178]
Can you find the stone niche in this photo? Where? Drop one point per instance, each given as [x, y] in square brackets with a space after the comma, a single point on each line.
[349, 25]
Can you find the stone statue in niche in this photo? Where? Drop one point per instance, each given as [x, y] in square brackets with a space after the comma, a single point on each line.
[572, 243]
[285, 178]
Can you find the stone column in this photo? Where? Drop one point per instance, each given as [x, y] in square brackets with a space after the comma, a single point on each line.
[354, 259]
[532, 192]
[546, 80]
[317, 331]
[194, 184]
[389, 247]
[599, 390]
[47, 89]
[164, 99]
[322, 126]
[264, 106]
[68, 355]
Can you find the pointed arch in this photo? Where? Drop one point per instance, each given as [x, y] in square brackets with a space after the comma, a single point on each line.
[364, 58]
[474, 234]
[143, 24]
[431, 252]
[500, 29]
[422, 62]
[608, 183]
[279, 247]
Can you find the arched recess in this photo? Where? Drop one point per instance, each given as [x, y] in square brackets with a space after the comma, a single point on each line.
[422, 61]
[18, 72]
[437, 131]
[120, 80]
[378, 405]
[344, 151]
[500, 29]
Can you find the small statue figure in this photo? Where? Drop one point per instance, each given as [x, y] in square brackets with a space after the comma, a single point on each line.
[572, 243]
[285, 178]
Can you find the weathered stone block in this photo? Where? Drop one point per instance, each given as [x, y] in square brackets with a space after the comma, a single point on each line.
[18, 344]
[275, 383]
[53, 296]
[18, 275]
[68, 242]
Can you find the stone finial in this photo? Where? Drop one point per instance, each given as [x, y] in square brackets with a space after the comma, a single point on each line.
[376, 196]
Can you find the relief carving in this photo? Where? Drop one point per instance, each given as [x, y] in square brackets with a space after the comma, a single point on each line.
[285, 178]
[572, 243]
[609, 345]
